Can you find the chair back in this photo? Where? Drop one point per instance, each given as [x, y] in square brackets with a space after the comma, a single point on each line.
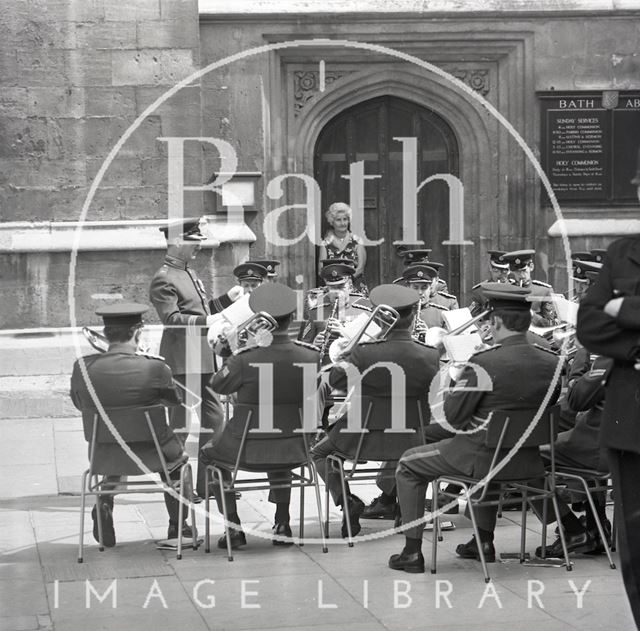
[130, 423]
[506, 428]
[386, 434]
[144, 429]
[257, 442]
[504, 431]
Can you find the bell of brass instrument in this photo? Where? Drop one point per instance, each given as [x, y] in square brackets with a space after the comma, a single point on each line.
[97, 340]
[251, 332]
[375, 327]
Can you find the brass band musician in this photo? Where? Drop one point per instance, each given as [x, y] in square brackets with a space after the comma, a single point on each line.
[520, 267]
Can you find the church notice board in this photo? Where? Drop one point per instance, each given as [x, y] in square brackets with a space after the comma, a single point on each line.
[590, 145]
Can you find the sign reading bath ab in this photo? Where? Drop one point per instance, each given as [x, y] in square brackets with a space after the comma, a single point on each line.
[590, 143]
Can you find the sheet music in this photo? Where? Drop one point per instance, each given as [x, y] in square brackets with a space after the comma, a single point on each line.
[461, 347]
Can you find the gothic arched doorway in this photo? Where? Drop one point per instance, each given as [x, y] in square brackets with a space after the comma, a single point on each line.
[366, 132]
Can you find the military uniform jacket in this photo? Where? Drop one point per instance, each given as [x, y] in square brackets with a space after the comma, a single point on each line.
[618, 338]
[122, 378]
[543, 311]
[521, 375]
[585, 395]
[241, 375]
[419, 364]
[181, 302]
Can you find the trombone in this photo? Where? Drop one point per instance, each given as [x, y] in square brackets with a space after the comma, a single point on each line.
[375, 326]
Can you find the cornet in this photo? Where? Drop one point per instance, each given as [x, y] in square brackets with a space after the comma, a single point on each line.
[375, 326]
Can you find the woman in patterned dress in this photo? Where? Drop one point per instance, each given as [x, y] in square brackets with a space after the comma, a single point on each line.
[340, 243]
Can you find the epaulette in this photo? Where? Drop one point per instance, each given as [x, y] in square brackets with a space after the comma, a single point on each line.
[373, 341]
[441, 307]
[548, 350]
[446, 295]
[149, 355]
[486, 350]
[539, 282]
[424, 344]
[306, 345]
[476, 286]
[244, 349]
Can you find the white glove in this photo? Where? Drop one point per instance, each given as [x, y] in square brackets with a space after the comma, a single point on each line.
[235, 292]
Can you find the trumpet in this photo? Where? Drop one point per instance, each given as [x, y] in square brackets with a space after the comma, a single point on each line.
[375, 326]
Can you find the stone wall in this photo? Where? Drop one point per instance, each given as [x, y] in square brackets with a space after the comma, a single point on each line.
[74, 76]
[553, 46]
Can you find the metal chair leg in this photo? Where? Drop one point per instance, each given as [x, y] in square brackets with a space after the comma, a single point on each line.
[99, 518]
[523, 526]
[227, 525]
[436, 528]
[207, 508]
[316, 487]
[83, 507]
[563, 539]
[302, 480]
[476, 533]
[180, 513]
[326, 498]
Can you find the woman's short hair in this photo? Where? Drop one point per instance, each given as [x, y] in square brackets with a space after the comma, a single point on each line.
[335, 209]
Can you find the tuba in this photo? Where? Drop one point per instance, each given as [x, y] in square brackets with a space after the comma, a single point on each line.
[366, 327]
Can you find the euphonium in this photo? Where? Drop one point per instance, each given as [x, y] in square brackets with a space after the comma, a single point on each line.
[251, 332]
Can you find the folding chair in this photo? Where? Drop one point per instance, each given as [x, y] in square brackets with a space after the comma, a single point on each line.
[141, 428]
[253, 451]
[591, 481]
[378, 441]
[505, 429]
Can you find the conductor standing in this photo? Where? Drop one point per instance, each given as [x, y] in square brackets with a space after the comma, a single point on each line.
[182, 305]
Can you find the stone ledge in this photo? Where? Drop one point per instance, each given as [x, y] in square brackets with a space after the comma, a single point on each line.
[59, 236]
[594, 227]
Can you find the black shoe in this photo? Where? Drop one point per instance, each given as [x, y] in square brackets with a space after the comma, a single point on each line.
[442, 501]
[581, 543]
[172, 532]
[238, 539]
[356, 508]
[282, 530]
[413, 563]
[469, 550]
[599, 547]
[108, 533]
[379, 510]
[196, 499]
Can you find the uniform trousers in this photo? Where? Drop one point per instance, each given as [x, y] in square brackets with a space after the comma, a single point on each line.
[210, 414]
[416, 469]
[276, 496]
[625, 471]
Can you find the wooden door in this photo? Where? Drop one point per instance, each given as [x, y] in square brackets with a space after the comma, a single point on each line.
[366, 132]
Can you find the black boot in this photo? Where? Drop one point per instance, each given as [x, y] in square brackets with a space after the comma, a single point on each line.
[356, 507]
